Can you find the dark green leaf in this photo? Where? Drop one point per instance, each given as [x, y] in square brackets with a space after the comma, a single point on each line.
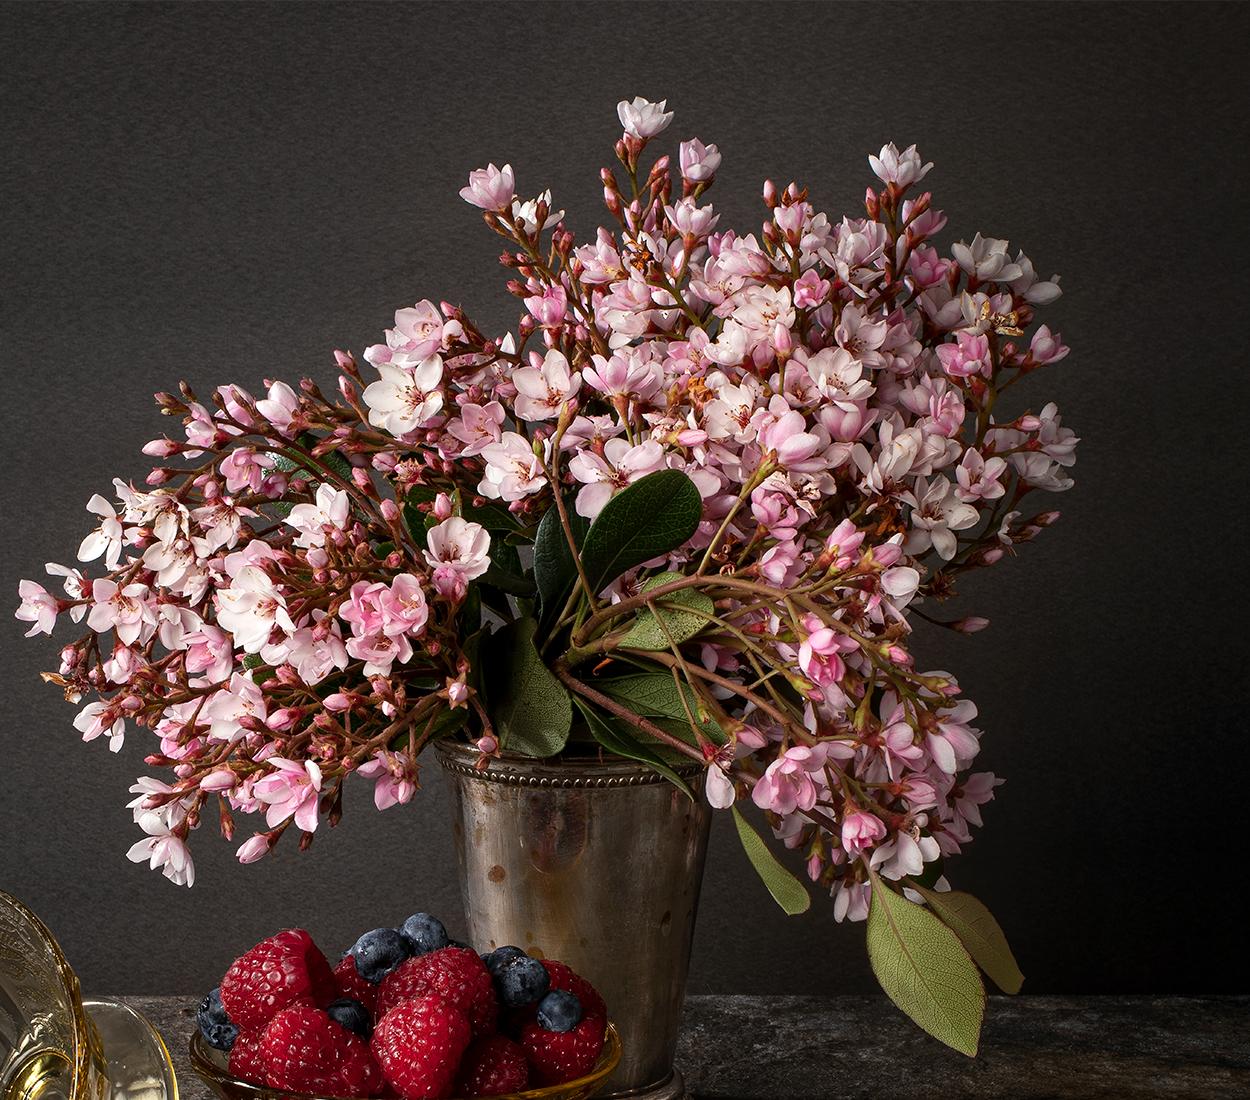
[505, 571]
[529, 707]
[613, 736]
[787, 891]
[677, 624]
[494, 517]
[979, 932]
[651, 517]
[554, 568]
[654, 695]
[924, 969]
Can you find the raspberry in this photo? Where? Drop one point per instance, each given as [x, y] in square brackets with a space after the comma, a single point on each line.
[492, 1067]
[419, 1044]
[304, 1050]
[454, 973]
[351, 984]
[556, 1057]
[246, 1060]
[563, 977]
[274, 974]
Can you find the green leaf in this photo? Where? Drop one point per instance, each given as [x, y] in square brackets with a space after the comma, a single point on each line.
[505, 571]
[554, 568]
[613, 736]
[647, 633]
[651, 517]
[787, 891]
[924, 969]
[979, 932]
[529, 707]
[654, 695]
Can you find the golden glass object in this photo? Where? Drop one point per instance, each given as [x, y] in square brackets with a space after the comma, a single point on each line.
[56, 1046]
[210, 1064]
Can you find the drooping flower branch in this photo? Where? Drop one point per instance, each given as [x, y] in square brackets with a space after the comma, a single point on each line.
[701, 489]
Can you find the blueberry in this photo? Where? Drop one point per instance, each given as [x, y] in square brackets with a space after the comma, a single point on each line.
[351, 1015]
[522, 982]
[379, 952]
[424, 933]
[559, 1011]
[214, 1024]
[499, 958]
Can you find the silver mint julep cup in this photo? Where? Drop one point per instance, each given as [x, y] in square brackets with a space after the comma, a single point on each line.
[595, 864]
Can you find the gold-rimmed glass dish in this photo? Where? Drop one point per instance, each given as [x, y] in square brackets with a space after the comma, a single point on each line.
[56, 1046]
[211, 1065]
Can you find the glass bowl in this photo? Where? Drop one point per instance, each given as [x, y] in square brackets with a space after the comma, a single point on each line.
[56, 1046]
[210, 1064]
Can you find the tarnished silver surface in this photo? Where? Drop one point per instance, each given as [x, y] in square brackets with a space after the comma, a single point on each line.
[598, 865]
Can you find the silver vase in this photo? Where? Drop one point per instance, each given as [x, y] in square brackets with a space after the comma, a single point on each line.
[596, 864]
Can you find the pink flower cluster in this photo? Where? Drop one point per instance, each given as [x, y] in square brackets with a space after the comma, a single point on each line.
[298, 598]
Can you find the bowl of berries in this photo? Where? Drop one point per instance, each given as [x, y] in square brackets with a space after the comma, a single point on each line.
[406, 1013]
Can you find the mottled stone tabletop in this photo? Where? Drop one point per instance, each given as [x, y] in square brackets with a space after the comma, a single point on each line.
[808, 1048]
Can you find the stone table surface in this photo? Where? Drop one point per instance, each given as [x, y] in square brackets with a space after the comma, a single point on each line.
[806, 1048]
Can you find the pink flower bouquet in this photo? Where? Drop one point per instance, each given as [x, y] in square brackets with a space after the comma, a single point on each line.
[685, 512]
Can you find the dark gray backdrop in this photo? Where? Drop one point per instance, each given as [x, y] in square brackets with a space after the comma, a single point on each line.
[225, 192]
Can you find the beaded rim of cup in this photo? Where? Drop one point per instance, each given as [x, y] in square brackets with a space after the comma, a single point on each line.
[526, 771]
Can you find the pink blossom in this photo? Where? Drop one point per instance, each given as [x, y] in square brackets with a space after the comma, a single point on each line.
[860, 832]
[810, 289]
[254, 848]
[490, 188]
[719, 788]
[625, 374]
[903, 855]
[279, 407]
[123, 610]
[251, 607]
[820, 655]
[793, 781]
[107, 539]
[101, 719]
[329, 511]
[419, 331]
[927, 268]
[513, 470]
[168, 853]
[394, 778]
[850, 900]
[549, 307]
[1046, 347]
[458, 551]
[245, 469]
[618, 466]
[969, 355]
[643, 119]
[979, 477]
[405, 397]
[37, 608]
[953, 744]
[543, 389]
[290, 790]
[901, 169]
[477, 426]
[698, 161]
